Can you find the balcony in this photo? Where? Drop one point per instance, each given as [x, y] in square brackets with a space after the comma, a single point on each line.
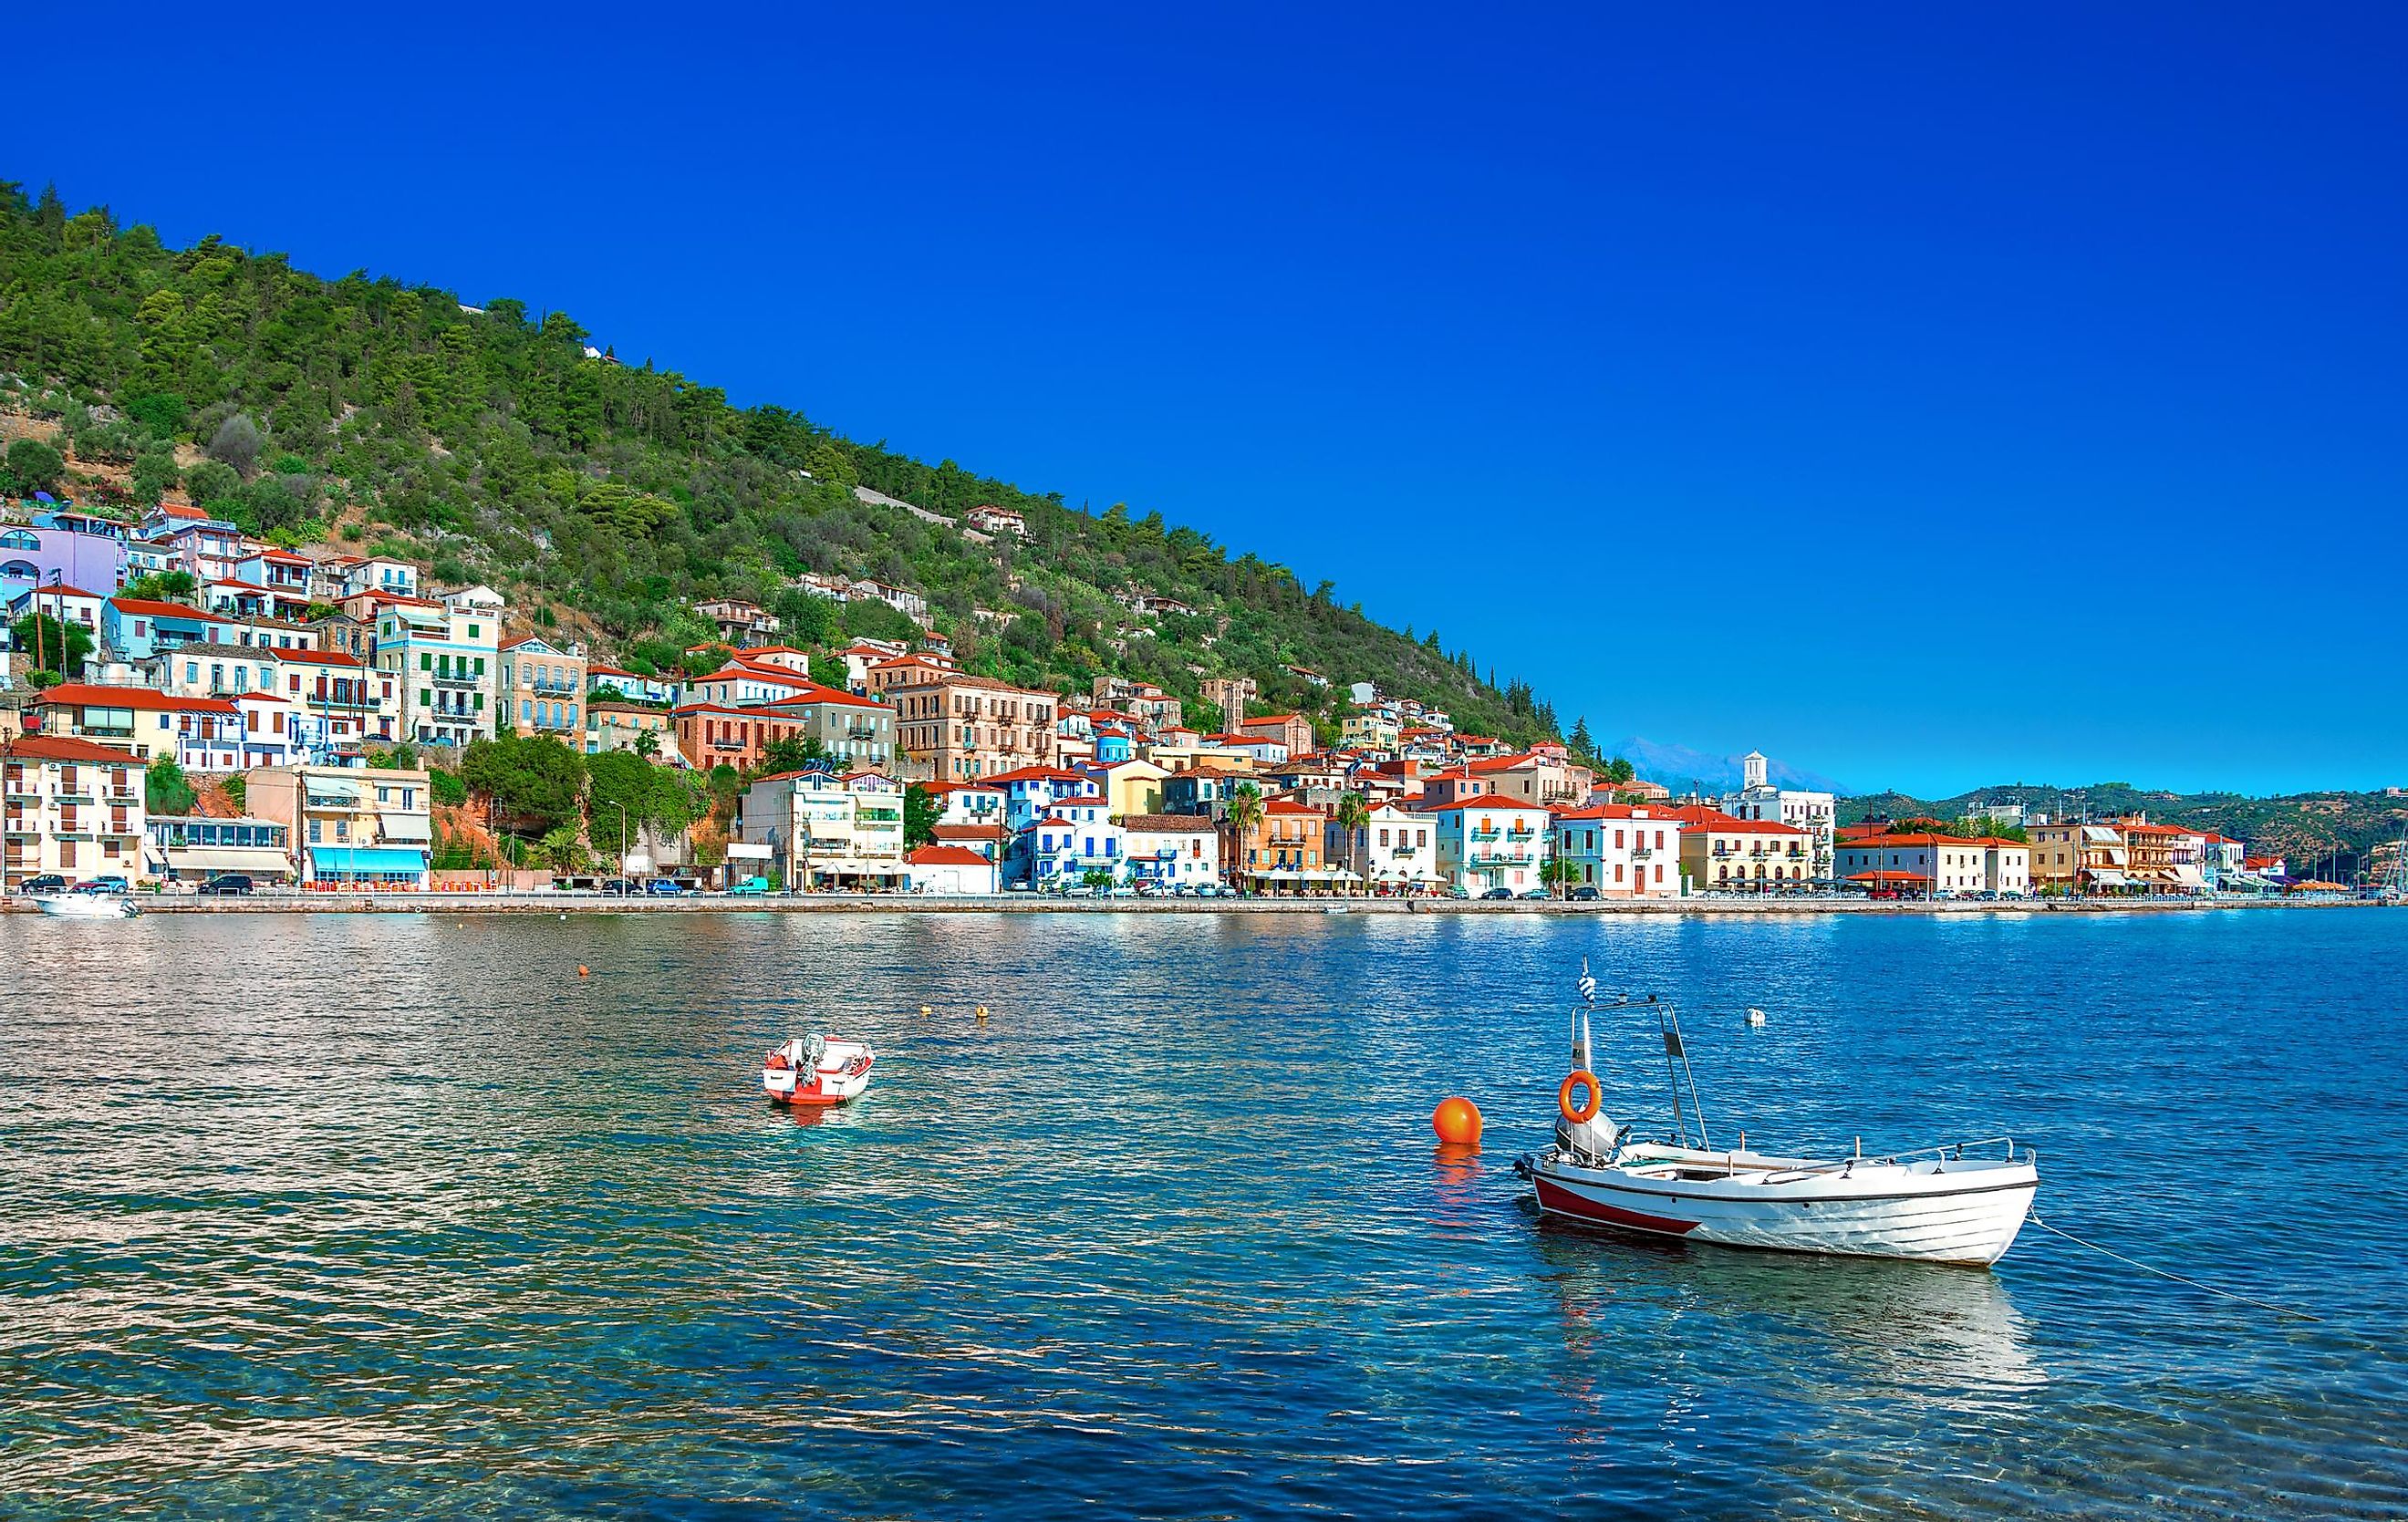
[1521, 831]
[457, 679]
[1641, 853]
[1492, 860]
[1485, 834]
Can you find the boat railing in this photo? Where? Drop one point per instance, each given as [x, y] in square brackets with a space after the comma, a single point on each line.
[1945, 1152]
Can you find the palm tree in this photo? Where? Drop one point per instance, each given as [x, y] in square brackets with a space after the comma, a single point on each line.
[1353, 817]
[1245, 812]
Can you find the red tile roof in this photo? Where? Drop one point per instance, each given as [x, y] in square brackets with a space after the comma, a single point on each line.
[145, 607]
[946, 856]
[1036, 774]
[966, 832]
[62, 747]
[815, 693]
[78, 694]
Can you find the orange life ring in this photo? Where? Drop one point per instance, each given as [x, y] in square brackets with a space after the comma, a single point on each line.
[777, 1062]
[1581, 1078]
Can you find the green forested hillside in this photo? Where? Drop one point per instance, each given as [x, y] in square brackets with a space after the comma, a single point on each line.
[609, 496]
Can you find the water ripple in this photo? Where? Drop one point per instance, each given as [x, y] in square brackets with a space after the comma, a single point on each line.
[399, 1215]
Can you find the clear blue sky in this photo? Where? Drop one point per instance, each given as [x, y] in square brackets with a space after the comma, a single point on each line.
[2014, 396]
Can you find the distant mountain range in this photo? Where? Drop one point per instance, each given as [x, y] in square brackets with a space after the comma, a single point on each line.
[1678, 767]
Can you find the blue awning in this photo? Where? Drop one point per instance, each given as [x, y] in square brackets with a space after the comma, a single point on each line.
[365, 861]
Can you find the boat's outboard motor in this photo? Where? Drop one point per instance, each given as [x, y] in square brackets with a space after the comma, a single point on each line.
[1593, 1140]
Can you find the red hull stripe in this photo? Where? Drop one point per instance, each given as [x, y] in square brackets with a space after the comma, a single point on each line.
[1563, 1201]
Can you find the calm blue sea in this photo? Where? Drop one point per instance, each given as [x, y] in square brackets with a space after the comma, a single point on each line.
[397, 1216]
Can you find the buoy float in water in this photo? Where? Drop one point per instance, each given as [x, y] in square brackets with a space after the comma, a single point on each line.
[1457, 1121]
[926, 1011]
[582, 970]
[1755, 1018]
[982, 1014]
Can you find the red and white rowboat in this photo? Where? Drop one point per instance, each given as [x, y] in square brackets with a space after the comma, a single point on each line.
[813, 1070]
[1958, 1204]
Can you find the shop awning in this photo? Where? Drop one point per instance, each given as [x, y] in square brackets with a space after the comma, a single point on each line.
[405, 827]
[257, 860]
[2105, 876]
[365, 861]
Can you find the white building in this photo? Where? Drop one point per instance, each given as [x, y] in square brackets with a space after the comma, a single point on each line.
[1172, 850]
[825, 831]
[1393, 846]
[1623, 850]
[1817, 813]
[950, 869]
[1944, 866]
[444, 655]
[966, 803]
[1488, 843]
[1070, 841]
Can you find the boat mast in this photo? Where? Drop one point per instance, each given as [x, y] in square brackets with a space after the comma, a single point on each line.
[1676, 1067]
[1580, 1020]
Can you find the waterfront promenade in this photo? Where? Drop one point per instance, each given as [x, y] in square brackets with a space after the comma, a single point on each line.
[542, 902]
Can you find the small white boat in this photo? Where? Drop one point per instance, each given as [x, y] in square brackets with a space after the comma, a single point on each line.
[75, 904]
[1961, 1202]
[814, 1069]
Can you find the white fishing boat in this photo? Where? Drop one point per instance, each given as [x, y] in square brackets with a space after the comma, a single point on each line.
[814, 1069]
[75, 903]
[1960, 1202]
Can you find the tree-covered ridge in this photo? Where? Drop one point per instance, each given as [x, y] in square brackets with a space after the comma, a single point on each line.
[609, 496]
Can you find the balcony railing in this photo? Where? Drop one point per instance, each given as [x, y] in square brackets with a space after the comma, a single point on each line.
[1485, 834]
[455, 679]
[1640, 853]
[1491, 861]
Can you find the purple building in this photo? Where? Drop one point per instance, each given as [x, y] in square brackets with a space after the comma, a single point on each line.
[30, 557]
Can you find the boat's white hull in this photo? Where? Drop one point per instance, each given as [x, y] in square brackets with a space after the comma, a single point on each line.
[842, 1074]
[85, 906]
[1941, 1217]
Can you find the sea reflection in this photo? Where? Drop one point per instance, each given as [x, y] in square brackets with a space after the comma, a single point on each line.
[401, 1214]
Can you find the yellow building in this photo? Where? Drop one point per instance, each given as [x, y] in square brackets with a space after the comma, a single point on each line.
[1133, 788]
[349, 826]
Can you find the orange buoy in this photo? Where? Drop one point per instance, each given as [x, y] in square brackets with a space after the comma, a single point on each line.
[1583, 1079]
[1457, 1122]
[584, 971]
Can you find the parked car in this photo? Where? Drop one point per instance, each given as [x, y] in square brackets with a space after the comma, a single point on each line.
[668, 887]
[1534, 893]
[49, 882]
[620, 886]
[1497, 893]
[751, 888]
[227, 885]
[1453, 891]
[1209, 891]
[1585, 893]
[108, 882]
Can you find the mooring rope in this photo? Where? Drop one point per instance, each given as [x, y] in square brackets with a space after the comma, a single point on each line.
[2167, 1273]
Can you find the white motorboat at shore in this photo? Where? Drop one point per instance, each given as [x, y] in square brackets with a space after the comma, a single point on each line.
[1960, 1202]
[77, 903]
[814, 1069]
